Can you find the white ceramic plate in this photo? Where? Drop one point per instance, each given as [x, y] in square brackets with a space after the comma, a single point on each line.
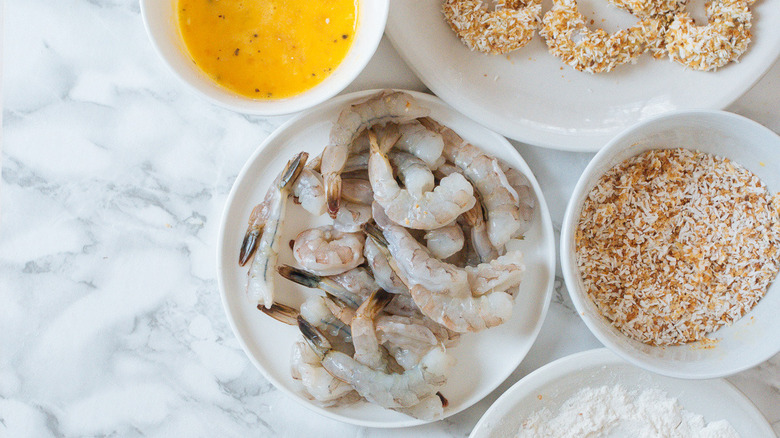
[551, 385]
[484, 360]
[533, 97]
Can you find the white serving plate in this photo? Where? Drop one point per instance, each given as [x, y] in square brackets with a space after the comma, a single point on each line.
[484, 360]
[533, 97]
[551, 385]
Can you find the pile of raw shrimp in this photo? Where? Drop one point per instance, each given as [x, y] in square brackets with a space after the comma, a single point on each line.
[422, 247]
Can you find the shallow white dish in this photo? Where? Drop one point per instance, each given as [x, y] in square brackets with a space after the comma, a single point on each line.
[534, 98]
[551, 385]
[484, 360]
[160, 20]
[750, 340]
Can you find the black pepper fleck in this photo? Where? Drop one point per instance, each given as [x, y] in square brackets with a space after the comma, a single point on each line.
[345, 36]
[236, 52]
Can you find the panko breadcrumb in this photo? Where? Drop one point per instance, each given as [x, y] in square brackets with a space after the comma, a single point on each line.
[673, 244]
[509, 27]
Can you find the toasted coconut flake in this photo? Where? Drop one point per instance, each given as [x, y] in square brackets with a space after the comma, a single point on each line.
[673, 244]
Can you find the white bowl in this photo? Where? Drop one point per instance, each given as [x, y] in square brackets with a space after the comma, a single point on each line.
[551, 385]
[161, 25]
[750, 340]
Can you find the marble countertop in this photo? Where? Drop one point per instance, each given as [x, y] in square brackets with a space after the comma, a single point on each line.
[114, 177]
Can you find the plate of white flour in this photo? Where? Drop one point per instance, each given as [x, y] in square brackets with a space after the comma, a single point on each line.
[595, 394]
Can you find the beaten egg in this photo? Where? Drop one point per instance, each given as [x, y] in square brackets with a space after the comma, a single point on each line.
[267, 49]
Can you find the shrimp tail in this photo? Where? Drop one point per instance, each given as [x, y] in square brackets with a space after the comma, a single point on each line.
[373, 231]
[333, 193]
[377, 301]
[249, 245]
[314, 337]
[293, 169]
[299, 276]
[281, 312]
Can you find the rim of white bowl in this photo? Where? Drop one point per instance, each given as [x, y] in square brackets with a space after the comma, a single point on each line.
[571, 273]
[291, 105]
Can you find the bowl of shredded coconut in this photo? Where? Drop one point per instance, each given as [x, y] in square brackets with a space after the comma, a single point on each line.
[596, 394]
[670, 245]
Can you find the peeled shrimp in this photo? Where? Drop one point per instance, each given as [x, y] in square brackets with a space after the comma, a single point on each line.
[262, 211]
[445, 241]
[386, 106]
[309, 191]
[384, 275]
[327, 251]
[316, 312]
[525, 194]
[498, 196]
[364, 338]
[351, 217]
[480, 241]
[260, 285]
[397, 390]
[415, 175]
[433, 209]
[461, 299]
[421, 142]
[318, 383]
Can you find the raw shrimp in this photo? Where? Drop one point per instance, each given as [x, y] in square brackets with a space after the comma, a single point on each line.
[386, 106]
[415, 175]
[357, 191]
[398, 390]
[525, 194]
[327, 251]
[313, 310]
[367, 350]
[461, 299]
[351, 217]
[498, 197]
[480, 241]
[263, 210]
[309, 191]
[384, 275]
[421, 142]
[445, 241]
[434, 209]
[260, 285]
[326, 284]
[318, 383]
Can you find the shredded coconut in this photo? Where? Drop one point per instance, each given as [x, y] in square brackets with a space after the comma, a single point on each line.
[615, 411]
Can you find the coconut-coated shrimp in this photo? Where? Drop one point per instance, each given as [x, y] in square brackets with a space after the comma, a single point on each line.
[461, 299]
[498, 197]
[327, 251]
[262, 211]
[260, 284]
[386, 106]
[433, 209]
[445, 241]
[397, 390]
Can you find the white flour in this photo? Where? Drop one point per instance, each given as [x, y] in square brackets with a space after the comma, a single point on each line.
[615, 412]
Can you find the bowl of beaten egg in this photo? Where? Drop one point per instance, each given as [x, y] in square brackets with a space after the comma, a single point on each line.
[265, 57]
